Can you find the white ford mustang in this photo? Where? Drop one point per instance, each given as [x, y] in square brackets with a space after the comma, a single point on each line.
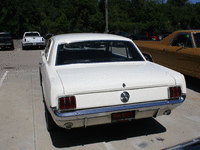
[92, 79]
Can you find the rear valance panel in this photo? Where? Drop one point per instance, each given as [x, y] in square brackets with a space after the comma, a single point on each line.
[114, 98]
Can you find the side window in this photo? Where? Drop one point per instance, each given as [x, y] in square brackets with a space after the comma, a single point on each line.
[47, 49]
[121, 49]
[182, 40]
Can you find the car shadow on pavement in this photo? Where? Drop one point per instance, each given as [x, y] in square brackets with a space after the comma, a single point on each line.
[105, 133]
[193, 83]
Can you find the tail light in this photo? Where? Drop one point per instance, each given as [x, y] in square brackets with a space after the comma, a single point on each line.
[42, 39]
[175, 92]
[66, 103]
[25, 40]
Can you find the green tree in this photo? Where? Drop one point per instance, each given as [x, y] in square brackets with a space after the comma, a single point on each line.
[178, 3]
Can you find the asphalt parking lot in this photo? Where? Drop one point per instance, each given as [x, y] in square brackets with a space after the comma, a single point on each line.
[23, 124]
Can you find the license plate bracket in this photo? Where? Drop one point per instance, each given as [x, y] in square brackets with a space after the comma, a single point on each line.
[123, 116]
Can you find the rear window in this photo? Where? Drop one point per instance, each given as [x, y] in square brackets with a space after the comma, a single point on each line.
[31, 34]
[96, 52]
[197, 39]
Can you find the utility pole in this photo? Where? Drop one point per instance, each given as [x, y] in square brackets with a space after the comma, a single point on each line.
[106, 15]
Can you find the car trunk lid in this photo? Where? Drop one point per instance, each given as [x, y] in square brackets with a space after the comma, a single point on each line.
[112, 77]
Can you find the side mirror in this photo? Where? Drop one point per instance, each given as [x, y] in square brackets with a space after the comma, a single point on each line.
[148, 57]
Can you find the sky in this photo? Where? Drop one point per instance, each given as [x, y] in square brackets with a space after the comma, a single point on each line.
[192, 1]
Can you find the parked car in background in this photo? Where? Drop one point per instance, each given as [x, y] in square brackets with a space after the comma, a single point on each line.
[92, 79]
[193, 144]
[179, 51]
[6, 41]
[33, 40]
[148, 36]
[122, 33]
[48, 35]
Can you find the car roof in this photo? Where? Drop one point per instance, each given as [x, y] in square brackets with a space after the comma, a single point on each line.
[4, 33]
[190, 31]
[173, 34]
[32, 32]
[76, 37]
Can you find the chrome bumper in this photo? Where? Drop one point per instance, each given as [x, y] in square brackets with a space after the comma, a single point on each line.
[34, 44]
[105, 111]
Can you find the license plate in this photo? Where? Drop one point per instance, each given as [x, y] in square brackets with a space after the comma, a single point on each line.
[123, 116]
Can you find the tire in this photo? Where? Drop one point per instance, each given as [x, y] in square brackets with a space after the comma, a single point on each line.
[40, 76]
[23, 48]
[12, 48]
[148, 57]
[51, 125]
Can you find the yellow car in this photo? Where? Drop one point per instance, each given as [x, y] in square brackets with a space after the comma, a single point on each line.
[179, 51]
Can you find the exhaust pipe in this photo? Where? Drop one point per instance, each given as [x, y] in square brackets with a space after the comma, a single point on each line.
[68, 125]
[167, 112]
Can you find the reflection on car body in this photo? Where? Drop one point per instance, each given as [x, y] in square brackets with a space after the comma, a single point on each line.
[179, 51]
[92, 79]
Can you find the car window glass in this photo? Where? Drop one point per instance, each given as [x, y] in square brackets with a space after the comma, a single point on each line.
[182, 40]
[47, 48]
[31, 34]
[97, 51]
[197, 39]
[5, 35]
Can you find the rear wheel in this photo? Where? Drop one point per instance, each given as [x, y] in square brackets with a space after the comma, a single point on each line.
[11, 48]
[147, 57]
[23, 48]
[40, 76]
[51, 125]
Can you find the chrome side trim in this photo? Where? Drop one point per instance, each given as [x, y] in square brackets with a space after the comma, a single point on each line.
[118, 108]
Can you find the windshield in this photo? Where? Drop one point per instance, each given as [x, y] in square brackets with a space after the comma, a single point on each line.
[97, 51]
[31, 34]
[197, 39]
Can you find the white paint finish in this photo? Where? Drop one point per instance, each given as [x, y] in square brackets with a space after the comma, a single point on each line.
[113, 98]
[111, 76]
[35, 40]
[101, 84]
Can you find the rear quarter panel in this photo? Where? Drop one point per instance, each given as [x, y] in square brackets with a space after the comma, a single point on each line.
[51, 84]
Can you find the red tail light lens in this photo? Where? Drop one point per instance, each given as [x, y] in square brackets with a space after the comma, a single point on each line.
[174, 92]
[62, 103]
[73, 102]
[66, 103]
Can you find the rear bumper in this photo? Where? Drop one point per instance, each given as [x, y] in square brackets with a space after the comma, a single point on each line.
[97, 116]
[5, 45]
[34, 44]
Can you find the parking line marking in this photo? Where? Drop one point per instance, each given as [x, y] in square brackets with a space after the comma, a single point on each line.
[2, 79]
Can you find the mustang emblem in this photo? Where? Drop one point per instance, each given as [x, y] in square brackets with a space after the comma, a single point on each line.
[125, 97]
